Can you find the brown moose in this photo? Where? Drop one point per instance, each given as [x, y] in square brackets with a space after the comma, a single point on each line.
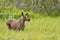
[18, 24]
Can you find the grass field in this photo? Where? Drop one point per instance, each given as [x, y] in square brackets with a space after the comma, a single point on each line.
[46, 28]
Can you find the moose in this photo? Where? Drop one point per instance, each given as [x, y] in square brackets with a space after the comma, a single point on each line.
[18, 24]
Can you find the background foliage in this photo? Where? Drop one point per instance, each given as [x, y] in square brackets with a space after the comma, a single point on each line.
[13, 8]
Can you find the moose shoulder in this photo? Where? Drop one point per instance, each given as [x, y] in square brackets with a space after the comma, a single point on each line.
[18, 24]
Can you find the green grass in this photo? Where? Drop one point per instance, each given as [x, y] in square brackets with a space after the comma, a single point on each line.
[46, 28]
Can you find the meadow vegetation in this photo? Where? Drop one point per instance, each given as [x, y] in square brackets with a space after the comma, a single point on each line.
[43, 28]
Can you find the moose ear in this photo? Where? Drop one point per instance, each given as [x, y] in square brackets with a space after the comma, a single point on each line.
[26, 14]
[22, 13]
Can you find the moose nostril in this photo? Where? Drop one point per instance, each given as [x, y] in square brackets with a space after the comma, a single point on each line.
[28, 19]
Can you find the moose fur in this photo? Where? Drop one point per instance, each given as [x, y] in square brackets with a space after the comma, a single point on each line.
[18, 24]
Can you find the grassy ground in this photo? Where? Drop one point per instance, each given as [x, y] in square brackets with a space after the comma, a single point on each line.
[45, 28]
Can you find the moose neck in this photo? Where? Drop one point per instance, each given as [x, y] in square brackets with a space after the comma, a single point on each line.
[22, 20]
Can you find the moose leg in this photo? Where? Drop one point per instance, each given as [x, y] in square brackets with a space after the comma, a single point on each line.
[23, 28]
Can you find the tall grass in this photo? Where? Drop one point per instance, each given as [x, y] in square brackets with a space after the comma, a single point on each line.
[45, 28]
